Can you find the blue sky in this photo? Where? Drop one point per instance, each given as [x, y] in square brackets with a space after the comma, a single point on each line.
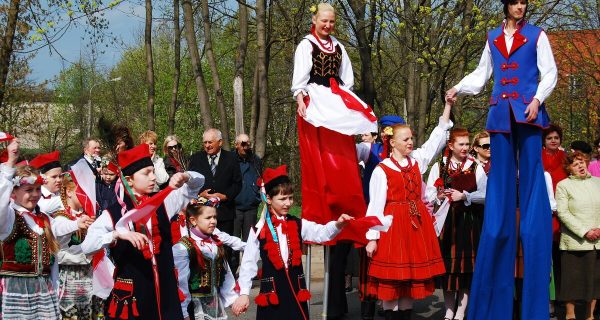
[126, 22]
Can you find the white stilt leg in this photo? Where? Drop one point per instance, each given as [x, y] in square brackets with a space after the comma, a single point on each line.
[326, 283]
[307, 271]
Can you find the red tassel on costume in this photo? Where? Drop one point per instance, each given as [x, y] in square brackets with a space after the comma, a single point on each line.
[125, 312]
[134, 308]
[259, 273]
[261, 300]
[303, 295]
[112, 308]
[273, 299]
[237, 287]
[146, 252]
[175, 232]
[181, 295]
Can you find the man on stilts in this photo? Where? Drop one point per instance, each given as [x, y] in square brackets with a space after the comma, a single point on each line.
[517, 54]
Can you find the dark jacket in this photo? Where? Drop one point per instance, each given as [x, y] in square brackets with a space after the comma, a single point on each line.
[105, 194]
[227, 180]
[249, 196]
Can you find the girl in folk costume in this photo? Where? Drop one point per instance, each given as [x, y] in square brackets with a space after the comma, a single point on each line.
[458, 179]
[407, 257]
[49, 166]
[329, 115]
[277, 241]
[205, 278]
[138, 232]
[29, 270]
[481, 150]
[75, 276]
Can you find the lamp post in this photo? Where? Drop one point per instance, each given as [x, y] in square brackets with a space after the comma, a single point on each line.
[89, 115]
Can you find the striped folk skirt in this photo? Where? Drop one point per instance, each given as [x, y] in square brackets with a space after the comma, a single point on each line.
[28, 298]
[75, 291]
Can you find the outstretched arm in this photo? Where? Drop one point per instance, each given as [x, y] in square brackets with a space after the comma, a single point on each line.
[474, 82]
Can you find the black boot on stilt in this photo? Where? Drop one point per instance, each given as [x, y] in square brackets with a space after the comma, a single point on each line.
[404, 314]
[391, 315]
[367, 309]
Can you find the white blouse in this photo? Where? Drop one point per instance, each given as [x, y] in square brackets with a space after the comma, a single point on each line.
[474, 82]
[423, 156]
[100, 233]
[50, 202]
[311, 232]
[303, 65]
[477, 196]
[209, 249]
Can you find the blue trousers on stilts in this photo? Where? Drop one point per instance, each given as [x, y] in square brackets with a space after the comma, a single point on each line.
[492, 290]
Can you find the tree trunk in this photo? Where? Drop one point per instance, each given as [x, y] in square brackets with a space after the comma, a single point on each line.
[263, 116]
[214, 70]
[190, 35]
[177, 65]
[6, 48]
[364, 39]
[240, 60]
[149, 65]
[462, 66]
[422, 106]
[255, 105]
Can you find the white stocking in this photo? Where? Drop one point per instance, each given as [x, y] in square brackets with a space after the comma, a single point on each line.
[390, 305]
[449, 303]
[463, 296]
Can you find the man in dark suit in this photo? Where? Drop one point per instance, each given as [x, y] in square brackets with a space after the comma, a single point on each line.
[223, 178]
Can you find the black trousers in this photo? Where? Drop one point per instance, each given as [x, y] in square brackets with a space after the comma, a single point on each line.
[227, 226]
[244, 220]
[337, 306]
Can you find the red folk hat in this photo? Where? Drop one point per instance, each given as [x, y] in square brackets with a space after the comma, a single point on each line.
[134, 159]
[112, 167]
[46, 162]
[3, 156]
[273, 177]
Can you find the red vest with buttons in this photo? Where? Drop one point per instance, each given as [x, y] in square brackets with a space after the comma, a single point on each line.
[516, 78]
[24, 252]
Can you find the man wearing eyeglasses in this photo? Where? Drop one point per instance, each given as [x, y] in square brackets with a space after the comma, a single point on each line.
[247, 201]
[223, 179]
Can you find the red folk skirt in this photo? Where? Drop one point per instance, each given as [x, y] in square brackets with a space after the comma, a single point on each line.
[408, 255]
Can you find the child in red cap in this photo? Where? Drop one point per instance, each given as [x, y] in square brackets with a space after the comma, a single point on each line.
[145, 282]
[29, 268]
[277, 241]
[49, 166]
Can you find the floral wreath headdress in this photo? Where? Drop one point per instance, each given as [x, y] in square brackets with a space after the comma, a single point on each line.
[29, 180]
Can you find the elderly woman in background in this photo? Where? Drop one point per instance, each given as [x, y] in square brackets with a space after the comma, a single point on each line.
[578, 206]
[150, 138]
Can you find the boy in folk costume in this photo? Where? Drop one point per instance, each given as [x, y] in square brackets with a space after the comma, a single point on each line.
[519, 56]
[75, 276]
[29, 269]
[145, 282]
[405, 259]
[277, 241]
[205, 278]
[49, 166]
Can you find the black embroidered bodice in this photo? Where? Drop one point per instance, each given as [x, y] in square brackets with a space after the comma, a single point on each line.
[325, 65]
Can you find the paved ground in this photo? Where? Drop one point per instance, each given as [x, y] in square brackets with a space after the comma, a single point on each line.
[430, 308]
[427, 309]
